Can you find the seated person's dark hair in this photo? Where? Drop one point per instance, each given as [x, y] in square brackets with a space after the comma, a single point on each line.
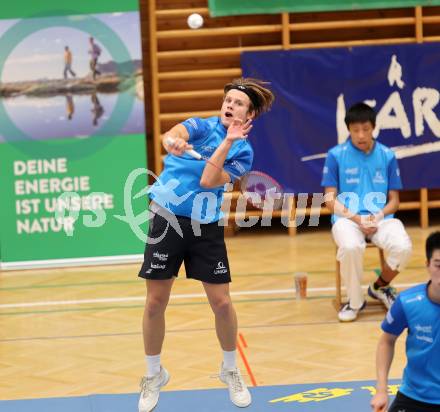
[432, 243]
[360, 113]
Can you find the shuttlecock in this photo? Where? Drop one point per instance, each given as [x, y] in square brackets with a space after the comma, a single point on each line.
[195, 21]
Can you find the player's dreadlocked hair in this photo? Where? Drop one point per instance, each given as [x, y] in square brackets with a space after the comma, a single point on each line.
[260, 96]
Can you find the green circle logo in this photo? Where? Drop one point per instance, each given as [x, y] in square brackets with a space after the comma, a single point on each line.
[124, 103]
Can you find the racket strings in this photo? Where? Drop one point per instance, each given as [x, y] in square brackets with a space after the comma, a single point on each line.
[260, 190]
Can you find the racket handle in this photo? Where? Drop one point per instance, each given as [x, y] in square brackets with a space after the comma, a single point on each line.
[194, 154]
[169, 141]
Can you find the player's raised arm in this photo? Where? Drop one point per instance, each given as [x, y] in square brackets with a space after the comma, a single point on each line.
[213, 174]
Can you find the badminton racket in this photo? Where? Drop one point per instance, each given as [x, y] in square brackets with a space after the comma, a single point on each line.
[259, 189]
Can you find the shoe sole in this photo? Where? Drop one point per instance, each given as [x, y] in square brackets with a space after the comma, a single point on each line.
[360, 310]
[242, 406]
[347, 320]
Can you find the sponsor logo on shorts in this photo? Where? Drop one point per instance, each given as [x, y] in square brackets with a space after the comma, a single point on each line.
[155, 266]
[163, 257]
[220, 269]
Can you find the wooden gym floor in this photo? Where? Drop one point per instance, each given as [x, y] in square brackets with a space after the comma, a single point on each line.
[77, 331]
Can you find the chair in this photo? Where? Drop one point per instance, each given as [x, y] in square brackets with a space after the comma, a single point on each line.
[337, 302]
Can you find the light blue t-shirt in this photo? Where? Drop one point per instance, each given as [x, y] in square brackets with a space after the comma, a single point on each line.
[363, 179]
[178, 187]
[413, 310]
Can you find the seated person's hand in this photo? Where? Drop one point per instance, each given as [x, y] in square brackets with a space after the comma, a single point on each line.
[368, 225]
[378, 217]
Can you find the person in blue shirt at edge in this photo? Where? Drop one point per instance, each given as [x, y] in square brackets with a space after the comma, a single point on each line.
[361, 179]
[191, 190]
[418, 310]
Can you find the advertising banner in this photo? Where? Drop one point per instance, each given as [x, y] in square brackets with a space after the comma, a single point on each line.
[232, 7]
[72, 130]
[314, 88]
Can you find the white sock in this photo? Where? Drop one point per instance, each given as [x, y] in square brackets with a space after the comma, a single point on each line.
[229, 359]
[153, 365]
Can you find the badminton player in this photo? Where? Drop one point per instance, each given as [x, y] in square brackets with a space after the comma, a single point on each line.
[417, 310]
[197, 194]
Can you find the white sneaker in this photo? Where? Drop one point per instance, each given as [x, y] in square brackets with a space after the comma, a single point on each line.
[386, 294]
[348, 314]
[238, 391]
[150, 388]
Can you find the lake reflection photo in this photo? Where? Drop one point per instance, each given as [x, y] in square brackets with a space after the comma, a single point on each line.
[63, 82]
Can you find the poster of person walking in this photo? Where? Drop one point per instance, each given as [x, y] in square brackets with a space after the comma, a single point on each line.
[62, 81]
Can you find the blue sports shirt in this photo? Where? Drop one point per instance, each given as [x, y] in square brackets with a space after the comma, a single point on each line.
[178, 186]
[413, 310]
[362, 179]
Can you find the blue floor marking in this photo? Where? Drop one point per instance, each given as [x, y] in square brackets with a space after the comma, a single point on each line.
[316, 397]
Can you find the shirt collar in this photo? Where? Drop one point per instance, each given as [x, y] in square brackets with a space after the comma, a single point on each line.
[427, 294]
[361, 151]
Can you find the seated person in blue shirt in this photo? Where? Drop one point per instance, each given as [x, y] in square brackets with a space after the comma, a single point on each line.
[361, 179]
[188, 191]
[417, 310]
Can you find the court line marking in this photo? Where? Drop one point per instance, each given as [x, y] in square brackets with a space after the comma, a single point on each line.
[243, 341]
[137, 306]
[192, 330]
[82, 271]
[176, 296]
[246, 364]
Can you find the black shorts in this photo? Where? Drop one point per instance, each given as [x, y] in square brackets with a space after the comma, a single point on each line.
[404, 404]
[204, 256]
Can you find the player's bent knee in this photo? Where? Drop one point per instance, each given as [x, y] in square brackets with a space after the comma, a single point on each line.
[403, 250]
[399, 256]
[405, 254]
